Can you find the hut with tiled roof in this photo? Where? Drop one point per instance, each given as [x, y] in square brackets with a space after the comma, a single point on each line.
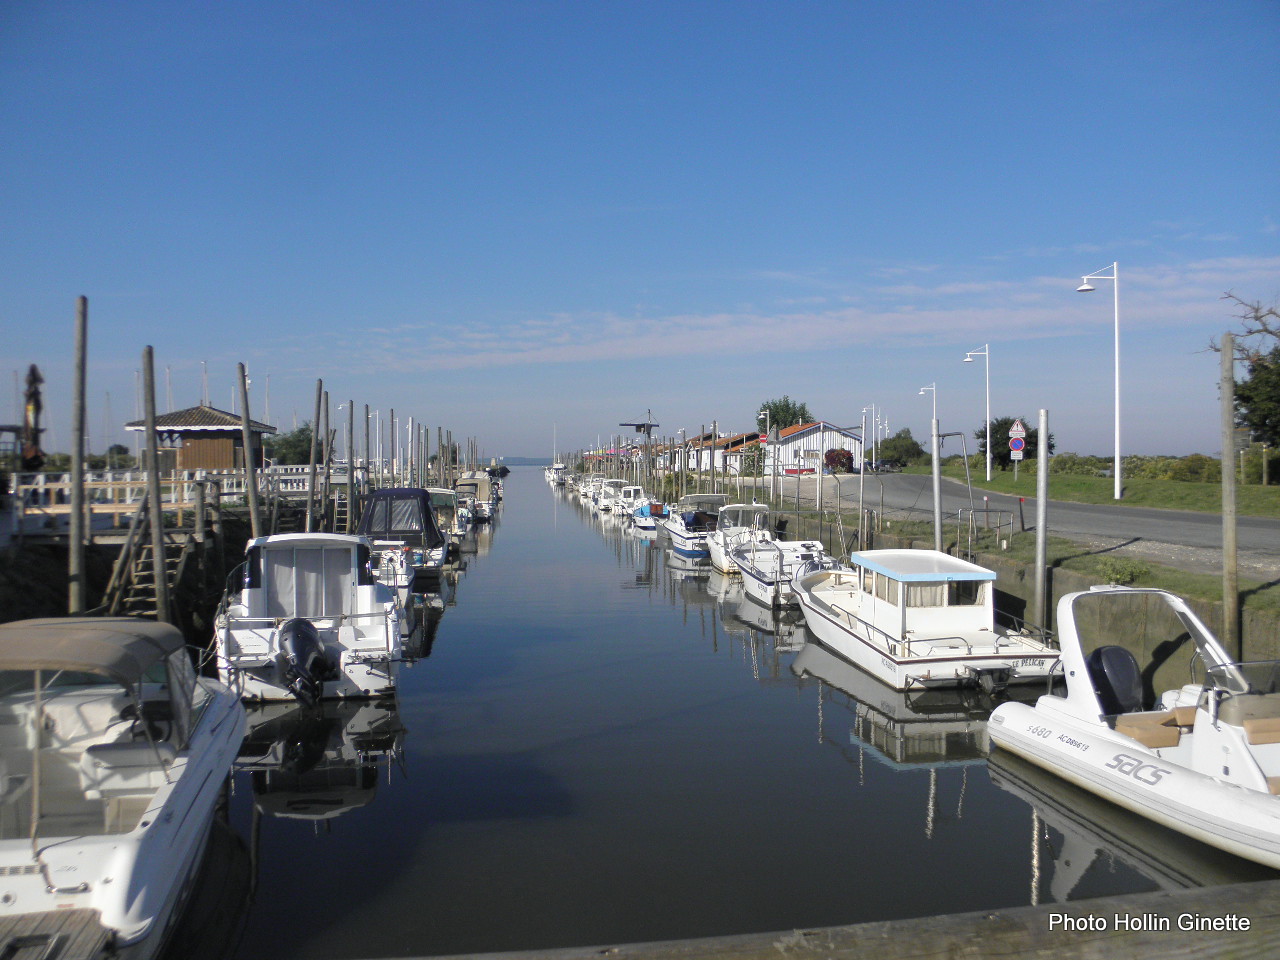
[204, 438]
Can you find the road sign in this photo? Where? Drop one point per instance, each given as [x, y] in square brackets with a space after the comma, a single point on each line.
[1015, 454]
[1017, 444]
[1017, 430]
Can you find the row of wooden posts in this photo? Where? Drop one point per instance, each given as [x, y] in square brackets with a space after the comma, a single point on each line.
[418, 468]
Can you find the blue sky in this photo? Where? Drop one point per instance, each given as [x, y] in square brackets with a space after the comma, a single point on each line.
[502, 217]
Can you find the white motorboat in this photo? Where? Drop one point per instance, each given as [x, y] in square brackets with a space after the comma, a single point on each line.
[646, 516]
[113, 755]
[589, 487]
[689, 522]
[607, 495]
[768, 567]
[408, 544]
[629, 498]
[478, 490]
[921, 618]
[737, 524]
[309, 621]
[452, 515]
[1210, 771]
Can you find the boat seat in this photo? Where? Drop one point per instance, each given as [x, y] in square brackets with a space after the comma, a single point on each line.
[114, 769]
[1156, 730]
[1245, 709]
[1258, 730]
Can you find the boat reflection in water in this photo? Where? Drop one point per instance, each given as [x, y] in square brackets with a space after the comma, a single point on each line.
[317, 763]
[1092, 833]
[933, 730]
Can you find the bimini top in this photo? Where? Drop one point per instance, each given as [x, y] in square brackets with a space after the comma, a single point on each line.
[928, 566]
[400, 513]
[122, 648]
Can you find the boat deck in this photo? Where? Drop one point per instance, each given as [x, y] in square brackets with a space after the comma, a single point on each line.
[65, 934]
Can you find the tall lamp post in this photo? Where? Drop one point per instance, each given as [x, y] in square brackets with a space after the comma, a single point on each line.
[968, 358]
[937, 468]
[1086, 287]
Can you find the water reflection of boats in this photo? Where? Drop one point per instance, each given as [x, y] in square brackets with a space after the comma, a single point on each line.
[317, 763]
[934, 727]
[785, 626]
[1092, 828]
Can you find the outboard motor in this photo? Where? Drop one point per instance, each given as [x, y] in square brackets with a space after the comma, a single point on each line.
[1117, 679]
[301, 660]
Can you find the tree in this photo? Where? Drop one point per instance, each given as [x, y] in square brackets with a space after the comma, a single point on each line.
[1258, 398]
[293, 447]
[902, 447]
[1000, 441]
[782, 413]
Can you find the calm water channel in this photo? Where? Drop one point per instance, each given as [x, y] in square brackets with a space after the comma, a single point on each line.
[601, 746]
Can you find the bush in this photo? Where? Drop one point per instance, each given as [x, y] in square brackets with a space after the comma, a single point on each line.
[1123, 571]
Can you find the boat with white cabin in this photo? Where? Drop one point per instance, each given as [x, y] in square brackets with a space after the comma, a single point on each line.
[309, 620]
[1210, 770]
[113, 756]
[921, 618]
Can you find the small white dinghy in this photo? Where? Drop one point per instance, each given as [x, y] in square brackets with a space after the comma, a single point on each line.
[309, 621]
[113, 754]
[1210, 771]
[921, 618]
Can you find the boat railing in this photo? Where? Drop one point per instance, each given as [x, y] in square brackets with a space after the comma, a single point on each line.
[1026, 631]
[895, 644]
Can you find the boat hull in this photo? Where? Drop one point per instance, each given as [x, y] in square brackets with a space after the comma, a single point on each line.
[1117, 768]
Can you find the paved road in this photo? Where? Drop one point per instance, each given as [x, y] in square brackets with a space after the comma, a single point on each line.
[1177, 537]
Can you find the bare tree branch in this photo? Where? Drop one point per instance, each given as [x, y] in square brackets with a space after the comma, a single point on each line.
[1261, 329]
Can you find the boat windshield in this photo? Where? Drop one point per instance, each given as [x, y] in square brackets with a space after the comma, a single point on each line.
[1260, 676]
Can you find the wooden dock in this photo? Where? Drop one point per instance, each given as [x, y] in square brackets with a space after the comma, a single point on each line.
[1241, 921]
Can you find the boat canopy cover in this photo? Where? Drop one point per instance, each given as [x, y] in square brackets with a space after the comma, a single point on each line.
[705, 502]
[123, 648]
[920, 565]
[400, 513]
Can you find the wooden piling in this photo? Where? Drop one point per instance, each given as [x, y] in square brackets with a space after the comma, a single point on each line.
[368, 477]
[1231, 636]
[351, 466]
[75, 533]
[311, 468]
[159, 568]
[250, 469]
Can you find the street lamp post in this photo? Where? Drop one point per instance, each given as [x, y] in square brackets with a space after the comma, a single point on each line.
[768, 428]
[937, 468]
[1086, 287]
[968, 358]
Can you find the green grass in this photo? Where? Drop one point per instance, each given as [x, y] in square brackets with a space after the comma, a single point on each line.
[1251, 500]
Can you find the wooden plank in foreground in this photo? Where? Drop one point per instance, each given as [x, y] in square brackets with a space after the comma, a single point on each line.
[65, 934]
[1241, 921]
